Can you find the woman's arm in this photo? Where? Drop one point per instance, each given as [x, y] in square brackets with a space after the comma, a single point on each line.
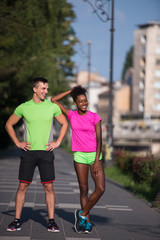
[97, 167]
[58, 97]
[98, 139]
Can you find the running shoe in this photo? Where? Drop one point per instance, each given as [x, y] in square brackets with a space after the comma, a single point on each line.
[53, 227]
[79, 221]
[14, 226]
[88, 227]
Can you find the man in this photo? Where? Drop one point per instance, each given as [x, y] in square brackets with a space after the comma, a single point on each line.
[38, 114]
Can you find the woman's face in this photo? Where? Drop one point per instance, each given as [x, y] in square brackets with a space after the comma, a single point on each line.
[81, 103]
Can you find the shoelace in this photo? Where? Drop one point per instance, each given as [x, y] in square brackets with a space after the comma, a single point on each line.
[88, 225]
[82, 222]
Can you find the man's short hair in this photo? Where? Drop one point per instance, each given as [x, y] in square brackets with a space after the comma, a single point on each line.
[35, 81]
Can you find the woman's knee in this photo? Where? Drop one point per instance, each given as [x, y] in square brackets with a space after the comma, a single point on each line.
[83, 190]
[100, 189]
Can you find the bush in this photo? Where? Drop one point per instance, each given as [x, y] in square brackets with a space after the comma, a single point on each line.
[144, 169]
[123, 159]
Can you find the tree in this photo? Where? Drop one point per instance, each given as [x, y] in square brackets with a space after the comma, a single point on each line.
[33, 42]
[128, 62]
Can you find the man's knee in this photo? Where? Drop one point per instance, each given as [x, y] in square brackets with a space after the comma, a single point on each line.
[48, 187]
[23, 187]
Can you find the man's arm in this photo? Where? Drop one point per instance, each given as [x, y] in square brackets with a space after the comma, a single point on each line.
[64, 126]
[9, 128]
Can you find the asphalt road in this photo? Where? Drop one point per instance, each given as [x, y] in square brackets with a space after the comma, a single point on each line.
[119, 215]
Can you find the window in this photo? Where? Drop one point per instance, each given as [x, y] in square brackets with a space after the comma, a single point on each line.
[143, 39]
[142, 62]
[143, 51]
[157, 50]
[157, 73]
[158, 38]
[157, 95]
[142, 74]
[158, 62]
[141, 107]
[141, 95]
[156, 107]
[141, 85]
[157, 85]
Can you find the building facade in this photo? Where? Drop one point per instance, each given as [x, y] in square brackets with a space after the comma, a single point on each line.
[146, 77]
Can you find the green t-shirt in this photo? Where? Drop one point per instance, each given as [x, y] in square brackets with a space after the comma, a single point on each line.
[38, 122]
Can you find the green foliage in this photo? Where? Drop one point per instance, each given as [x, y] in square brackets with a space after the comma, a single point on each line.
[144, 170]
[126, 179]
[128, 62]
[33, 42]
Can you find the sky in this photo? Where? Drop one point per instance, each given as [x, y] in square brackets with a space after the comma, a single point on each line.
[128, 14]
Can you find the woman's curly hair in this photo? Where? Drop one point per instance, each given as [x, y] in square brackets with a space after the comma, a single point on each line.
[76, 91]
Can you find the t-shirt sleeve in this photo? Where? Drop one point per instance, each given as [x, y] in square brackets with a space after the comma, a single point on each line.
[19, 111]
[57, 110]
[96, 118]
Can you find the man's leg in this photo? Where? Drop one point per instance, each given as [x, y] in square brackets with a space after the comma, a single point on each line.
[50, 199]
[20, 198]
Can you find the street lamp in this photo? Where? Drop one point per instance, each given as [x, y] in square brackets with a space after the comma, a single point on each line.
[98, 9]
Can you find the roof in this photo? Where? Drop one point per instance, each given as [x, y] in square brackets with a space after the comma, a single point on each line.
[151, 23]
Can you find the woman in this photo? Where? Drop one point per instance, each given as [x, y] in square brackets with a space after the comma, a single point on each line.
[86, 145]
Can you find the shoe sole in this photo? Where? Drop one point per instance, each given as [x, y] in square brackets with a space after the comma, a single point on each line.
[75, 215]
[87, 232]
[10, 230]
[56, 231]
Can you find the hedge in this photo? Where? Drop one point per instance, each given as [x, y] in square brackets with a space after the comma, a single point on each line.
[143, 168]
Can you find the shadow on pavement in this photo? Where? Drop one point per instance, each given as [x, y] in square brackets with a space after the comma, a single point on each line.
[37, 215]
[9, 153]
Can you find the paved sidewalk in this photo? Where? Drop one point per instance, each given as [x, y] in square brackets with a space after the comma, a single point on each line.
[118, 214]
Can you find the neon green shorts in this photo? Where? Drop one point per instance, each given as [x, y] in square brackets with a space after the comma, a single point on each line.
[85, 157]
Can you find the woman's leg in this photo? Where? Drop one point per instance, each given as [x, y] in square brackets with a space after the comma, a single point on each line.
[99, 181]
[82, 176]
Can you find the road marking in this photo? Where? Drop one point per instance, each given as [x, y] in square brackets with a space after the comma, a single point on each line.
[78, 191]
[83, 238]
[73, 184]
[14, 238]
[73, 206]
[108, 207]
[118, 208]
[68, 205]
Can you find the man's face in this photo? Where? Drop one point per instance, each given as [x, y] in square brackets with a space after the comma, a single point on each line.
[41, 90]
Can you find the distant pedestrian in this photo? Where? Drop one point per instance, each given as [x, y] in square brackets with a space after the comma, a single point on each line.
[38, 146]
[86, 147]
